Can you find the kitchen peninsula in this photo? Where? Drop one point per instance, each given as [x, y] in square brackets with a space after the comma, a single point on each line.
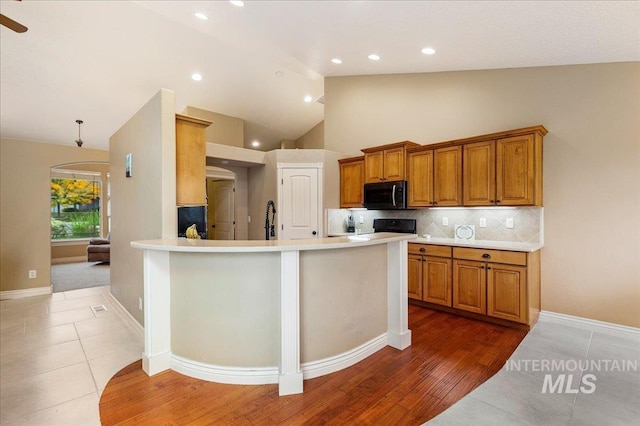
[255, 312]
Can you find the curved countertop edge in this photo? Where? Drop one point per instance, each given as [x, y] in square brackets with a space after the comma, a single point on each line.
[482, 244]
[252, 246]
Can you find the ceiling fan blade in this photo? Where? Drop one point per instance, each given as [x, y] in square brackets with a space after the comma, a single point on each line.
[12, 25]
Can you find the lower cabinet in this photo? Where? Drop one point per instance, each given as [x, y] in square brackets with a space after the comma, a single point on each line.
[495, 285]
[429, 273]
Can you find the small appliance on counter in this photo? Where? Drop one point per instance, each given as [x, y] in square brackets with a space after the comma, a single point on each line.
[188, 216]
[351, 224]
[403, 226]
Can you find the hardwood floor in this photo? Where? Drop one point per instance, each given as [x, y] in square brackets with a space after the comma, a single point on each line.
[449, 357]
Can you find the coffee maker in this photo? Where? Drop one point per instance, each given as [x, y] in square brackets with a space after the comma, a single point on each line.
[351, 224]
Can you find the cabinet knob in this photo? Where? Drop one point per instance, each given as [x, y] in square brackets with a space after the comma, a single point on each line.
[422, 249]
[492, 201]
[488, 267]
[497, 201]
[486, 256]
[482, 267]
[435, 202]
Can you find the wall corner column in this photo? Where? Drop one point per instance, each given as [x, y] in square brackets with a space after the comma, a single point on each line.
[290, 378]
[157, 312]
[399, 335]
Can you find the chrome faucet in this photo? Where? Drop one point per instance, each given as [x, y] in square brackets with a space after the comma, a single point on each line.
[270, 228]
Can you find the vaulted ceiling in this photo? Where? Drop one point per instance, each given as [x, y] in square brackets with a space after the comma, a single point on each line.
[100, 61]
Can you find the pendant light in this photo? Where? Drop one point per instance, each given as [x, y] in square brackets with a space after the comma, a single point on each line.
[79, 141]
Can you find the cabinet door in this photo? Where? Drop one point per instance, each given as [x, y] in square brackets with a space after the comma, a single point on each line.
[515, 174]
[479, 174]
[351, 184]
[373, 171]
[394, 164]
[447, 180]
[506, 292]
[436, 280]
[191, 184]
[469, 286]
[414, 277]
[420, 178]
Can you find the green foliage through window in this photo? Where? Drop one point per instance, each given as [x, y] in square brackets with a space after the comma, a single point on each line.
[75, 208]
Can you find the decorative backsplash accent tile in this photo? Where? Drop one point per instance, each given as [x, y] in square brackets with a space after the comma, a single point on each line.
[527, 221]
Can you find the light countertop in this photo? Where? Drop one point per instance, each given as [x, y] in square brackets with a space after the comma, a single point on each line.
[249, 246]
[482, 244]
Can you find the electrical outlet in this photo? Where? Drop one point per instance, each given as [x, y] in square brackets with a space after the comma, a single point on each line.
[361, 219]
[483, 222]
[510, 223]
[140, 303]
[445, 221]
[33, 273]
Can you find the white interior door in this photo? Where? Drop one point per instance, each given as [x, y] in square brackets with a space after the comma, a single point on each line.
[299, 203]
[223, 223]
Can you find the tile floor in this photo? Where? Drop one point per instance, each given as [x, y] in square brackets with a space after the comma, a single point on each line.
[57, 355]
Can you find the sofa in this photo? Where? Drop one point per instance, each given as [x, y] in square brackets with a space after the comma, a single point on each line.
[98, 250]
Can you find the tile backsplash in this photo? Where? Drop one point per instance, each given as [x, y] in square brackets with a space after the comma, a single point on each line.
[527, 221]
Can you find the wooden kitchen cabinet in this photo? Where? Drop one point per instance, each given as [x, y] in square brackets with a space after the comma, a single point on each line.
[351, 182]
[505, 171]
[434, 177]
[500, 284]
[191, 188]
[386, 163]
[429, 276]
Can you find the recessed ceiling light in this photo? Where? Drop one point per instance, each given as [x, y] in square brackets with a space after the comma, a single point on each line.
[308, 99]
[237, 3]
[196, 76]
[428, 50]
[374, 57]
[255, 143]
[201, 16]
[336, 61]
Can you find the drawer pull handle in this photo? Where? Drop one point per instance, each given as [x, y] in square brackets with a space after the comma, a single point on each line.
[422, 249]
[486, 256]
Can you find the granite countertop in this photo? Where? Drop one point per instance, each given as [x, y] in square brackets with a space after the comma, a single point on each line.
[482, 244]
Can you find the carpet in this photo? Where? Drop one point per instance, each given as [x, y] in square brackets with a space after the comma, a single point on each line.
[72, 276]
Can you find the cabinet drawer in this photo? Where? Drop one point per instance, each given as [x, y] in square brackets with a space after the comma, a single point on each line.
[429, 250]
[497, 256]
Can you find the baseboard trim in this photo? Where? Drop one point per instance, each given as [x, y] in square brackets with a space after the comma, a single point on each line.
[223, 374]
[27, 292]
[62, 260]
[127, 317]
[339, 362]
[591, 324]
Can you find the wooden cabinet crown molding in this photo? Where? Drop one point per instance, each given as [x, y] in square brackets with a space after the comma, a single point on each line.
[194, 120]
[403, 144]
[351, 159]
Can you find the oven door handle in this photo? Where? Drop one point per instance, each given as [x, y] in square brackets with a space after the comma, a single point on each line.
[393, 195]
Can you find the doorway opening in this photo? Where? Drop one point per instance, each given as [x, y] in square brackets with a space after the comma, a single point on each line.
[221, 219]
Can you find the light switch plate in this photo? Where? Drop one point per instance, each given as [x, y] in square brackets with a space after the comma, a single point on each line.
[483, 222]
[510, 223]
[445, 221]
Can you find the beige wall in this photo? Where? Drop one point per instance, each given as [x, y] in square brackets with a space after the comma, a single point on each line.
[143, 207]
[590, 263]
[25, 226]
[225, 130]
[313, 139]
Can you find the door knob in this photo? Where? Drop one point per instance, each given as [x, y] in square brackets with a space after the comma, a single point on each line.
[314, 232]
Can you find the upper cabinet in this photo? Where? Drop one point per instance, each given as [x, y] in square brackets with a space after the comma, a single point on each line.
[386, 163]
[191, 161]
[351, 182]
[434, 176]
[505, 171]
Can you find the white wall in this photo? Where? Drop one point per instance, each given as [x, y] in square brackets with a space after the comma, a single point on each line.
[591, 259]
[143, 206]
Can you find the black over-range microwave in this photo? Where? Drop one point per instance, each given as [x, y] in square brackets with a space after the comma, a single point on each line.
[385, 195]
